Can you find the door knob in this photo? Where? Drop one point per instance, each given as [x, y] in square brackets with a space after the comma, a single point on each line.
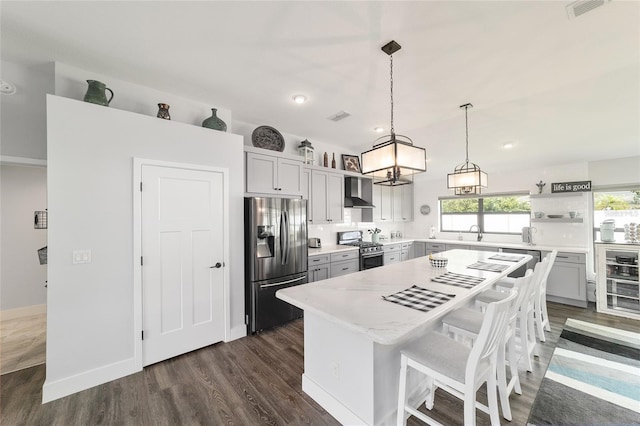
[217, 265]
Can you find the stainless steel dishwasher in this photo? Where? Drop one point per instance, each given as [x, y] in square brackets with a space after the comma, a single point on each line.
[535, 254]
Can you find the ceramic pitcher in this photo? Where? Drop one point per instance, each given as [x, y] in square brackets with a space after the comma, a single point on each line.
[96, 93]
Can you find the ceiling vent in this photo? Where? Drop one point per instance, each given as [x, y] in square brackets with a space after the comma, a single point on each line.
[339, 116]
[581, 7]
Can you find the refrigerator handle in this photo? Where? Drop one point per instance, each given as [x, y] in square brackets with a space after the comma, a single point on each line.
[283, 282]
[285, 215]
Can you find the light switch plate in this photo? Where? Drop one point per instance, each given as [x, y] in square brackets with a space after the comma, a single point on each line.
[81, 256]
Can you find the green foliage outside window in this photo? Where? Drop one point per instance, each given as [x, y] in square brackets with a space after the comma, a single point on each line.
[507, 204]
[608, 201]
[490, 204]
[462, 205]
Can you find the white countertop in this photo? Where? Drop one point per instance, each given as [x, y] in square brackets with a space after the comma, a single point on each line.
[522, 246]
[329, 249]
[355, 300]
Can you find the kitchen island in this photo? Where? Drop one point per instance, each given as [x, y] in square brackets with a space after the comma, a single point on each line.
[353, 337]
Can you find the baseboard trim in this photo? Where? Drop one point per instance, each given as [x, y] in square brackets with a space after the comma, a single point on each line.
[236, 333]
[52, 390]
[25, 311]
[329, 403]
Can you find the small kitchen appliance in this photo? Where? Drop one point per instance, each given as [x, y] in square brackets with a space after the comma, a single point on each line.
[527, 234]
[315, 243]
[607, 229]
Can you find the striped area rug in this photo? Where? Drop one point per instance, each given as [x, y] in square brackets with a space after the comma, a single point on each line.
[593, 378]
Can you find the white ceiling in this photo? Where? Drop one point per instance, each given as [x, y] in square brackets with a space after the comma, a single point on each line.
[561, 90]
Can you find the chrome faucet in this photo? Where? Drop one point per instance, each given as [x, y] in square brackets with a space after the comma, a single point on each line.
[479, 233]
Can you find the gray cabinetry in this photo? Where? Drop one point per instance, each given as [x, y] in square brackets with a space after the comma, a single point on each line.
[270, 174]
[457, 246]
[392, 253]
[319, 266]
[406, 251]
[402, 203]
[419, 249]
[567, 282]
[434, 247]
[343, 263]
[327, 197]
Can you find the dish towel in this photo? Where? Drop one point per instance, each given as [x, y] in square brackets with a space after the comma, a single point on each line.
[486, 266]
[458, 280]
[419, 298]
[507, 257]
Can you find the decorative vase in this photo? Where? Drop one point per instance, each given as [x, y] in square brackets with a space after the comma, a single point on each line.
[96, 93]
[326, 160]
[333, 161]
[374, 238]
[163, 111]
[214, 122]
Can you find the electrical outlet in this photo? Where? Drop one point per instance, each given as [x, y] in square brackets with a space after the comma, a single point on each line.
[335, 370]
[81, 256]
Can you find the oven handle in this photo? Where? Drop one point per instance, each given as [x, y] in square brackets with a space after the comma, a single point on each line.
[364, 255]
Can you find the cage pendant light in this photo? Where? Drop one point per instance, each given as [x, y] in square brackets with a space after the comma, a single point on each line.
[467, 178]
[394, 159]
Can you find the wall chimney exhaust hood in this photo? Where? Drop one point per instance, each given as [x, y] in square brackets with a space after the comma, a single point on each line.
[352, 198]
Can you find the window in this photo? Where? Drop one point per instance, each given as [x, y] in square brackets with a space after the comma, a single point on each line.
[495, 214]
[621, 205]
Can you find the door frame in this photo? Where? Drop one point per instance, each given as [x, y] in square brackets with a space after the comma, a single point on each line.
[137, 246]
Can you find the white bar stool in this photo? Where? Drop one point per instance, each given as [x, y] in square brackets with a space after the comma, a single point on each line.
[456, 368]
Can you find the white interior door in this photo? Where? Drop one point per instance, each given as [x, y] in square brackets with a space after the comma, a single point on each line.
[183, 253]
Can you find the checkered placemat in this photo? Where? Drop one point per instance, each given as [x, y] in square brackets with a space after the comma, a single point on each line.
[458, 280]
[507, 257]
[488, 266]
[419, 298]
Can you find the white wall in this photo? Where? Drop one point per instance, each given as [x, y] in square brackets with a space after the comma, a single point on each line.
[428, 189]
[23, 114]
[23, 190]
[90, 318]
[619, 171]
[71, 82]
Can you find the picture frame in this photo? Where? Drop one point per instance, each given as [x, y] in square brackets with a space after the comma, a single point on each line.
[351, 163]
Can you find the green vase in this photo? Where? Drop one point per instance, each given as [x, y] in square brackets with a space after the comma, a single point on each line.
[96, 93]
[214, 122]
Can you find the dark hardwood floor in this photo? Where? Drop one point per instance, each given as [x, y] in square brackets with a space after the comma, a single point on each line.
[251, 381]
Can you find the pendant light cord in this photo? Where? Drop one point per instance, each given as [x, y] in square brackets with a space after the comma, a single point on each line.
[393, 133]
[466, 121]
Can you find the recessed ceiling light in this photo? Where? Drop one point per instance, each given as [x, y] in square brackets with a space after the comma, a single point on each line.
[299, 99]
[507, 145]
[378, 129]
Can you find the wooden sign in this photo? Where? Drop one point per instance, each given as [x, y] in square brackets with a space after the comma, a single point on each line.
[582, 186]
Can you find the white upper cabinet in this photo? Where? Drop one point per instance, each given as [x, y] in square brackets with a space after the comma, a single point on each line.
[383, 200]
[393, 204]
[403, 203]
[327, 197]
[271, 174]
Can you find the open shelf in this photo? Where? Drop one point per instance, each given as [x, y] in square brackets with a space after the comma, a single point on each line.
[557, 194]
[560, 219]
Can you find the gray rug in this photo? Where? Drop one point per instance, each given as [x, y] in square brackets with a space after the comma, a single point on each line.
[593, 378]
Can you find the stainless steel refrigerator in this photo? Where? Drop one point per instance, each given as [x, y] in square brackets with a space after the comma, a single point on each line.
[275, 258]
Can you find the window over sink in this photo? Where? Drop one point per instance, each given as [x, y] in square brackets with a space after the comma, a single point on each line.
[492, 213]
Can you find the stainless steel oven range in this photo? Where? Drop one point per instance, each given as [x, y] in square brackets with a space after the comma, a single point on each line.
[371, 254]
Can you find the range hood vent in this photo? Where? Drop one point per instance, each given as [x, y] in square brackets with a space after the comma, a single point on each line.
[352, 197]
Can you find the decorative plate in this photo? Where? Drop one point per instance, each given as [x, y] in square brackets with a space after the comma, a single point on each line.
[425, 209]
[268, 138]
[555, 216]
